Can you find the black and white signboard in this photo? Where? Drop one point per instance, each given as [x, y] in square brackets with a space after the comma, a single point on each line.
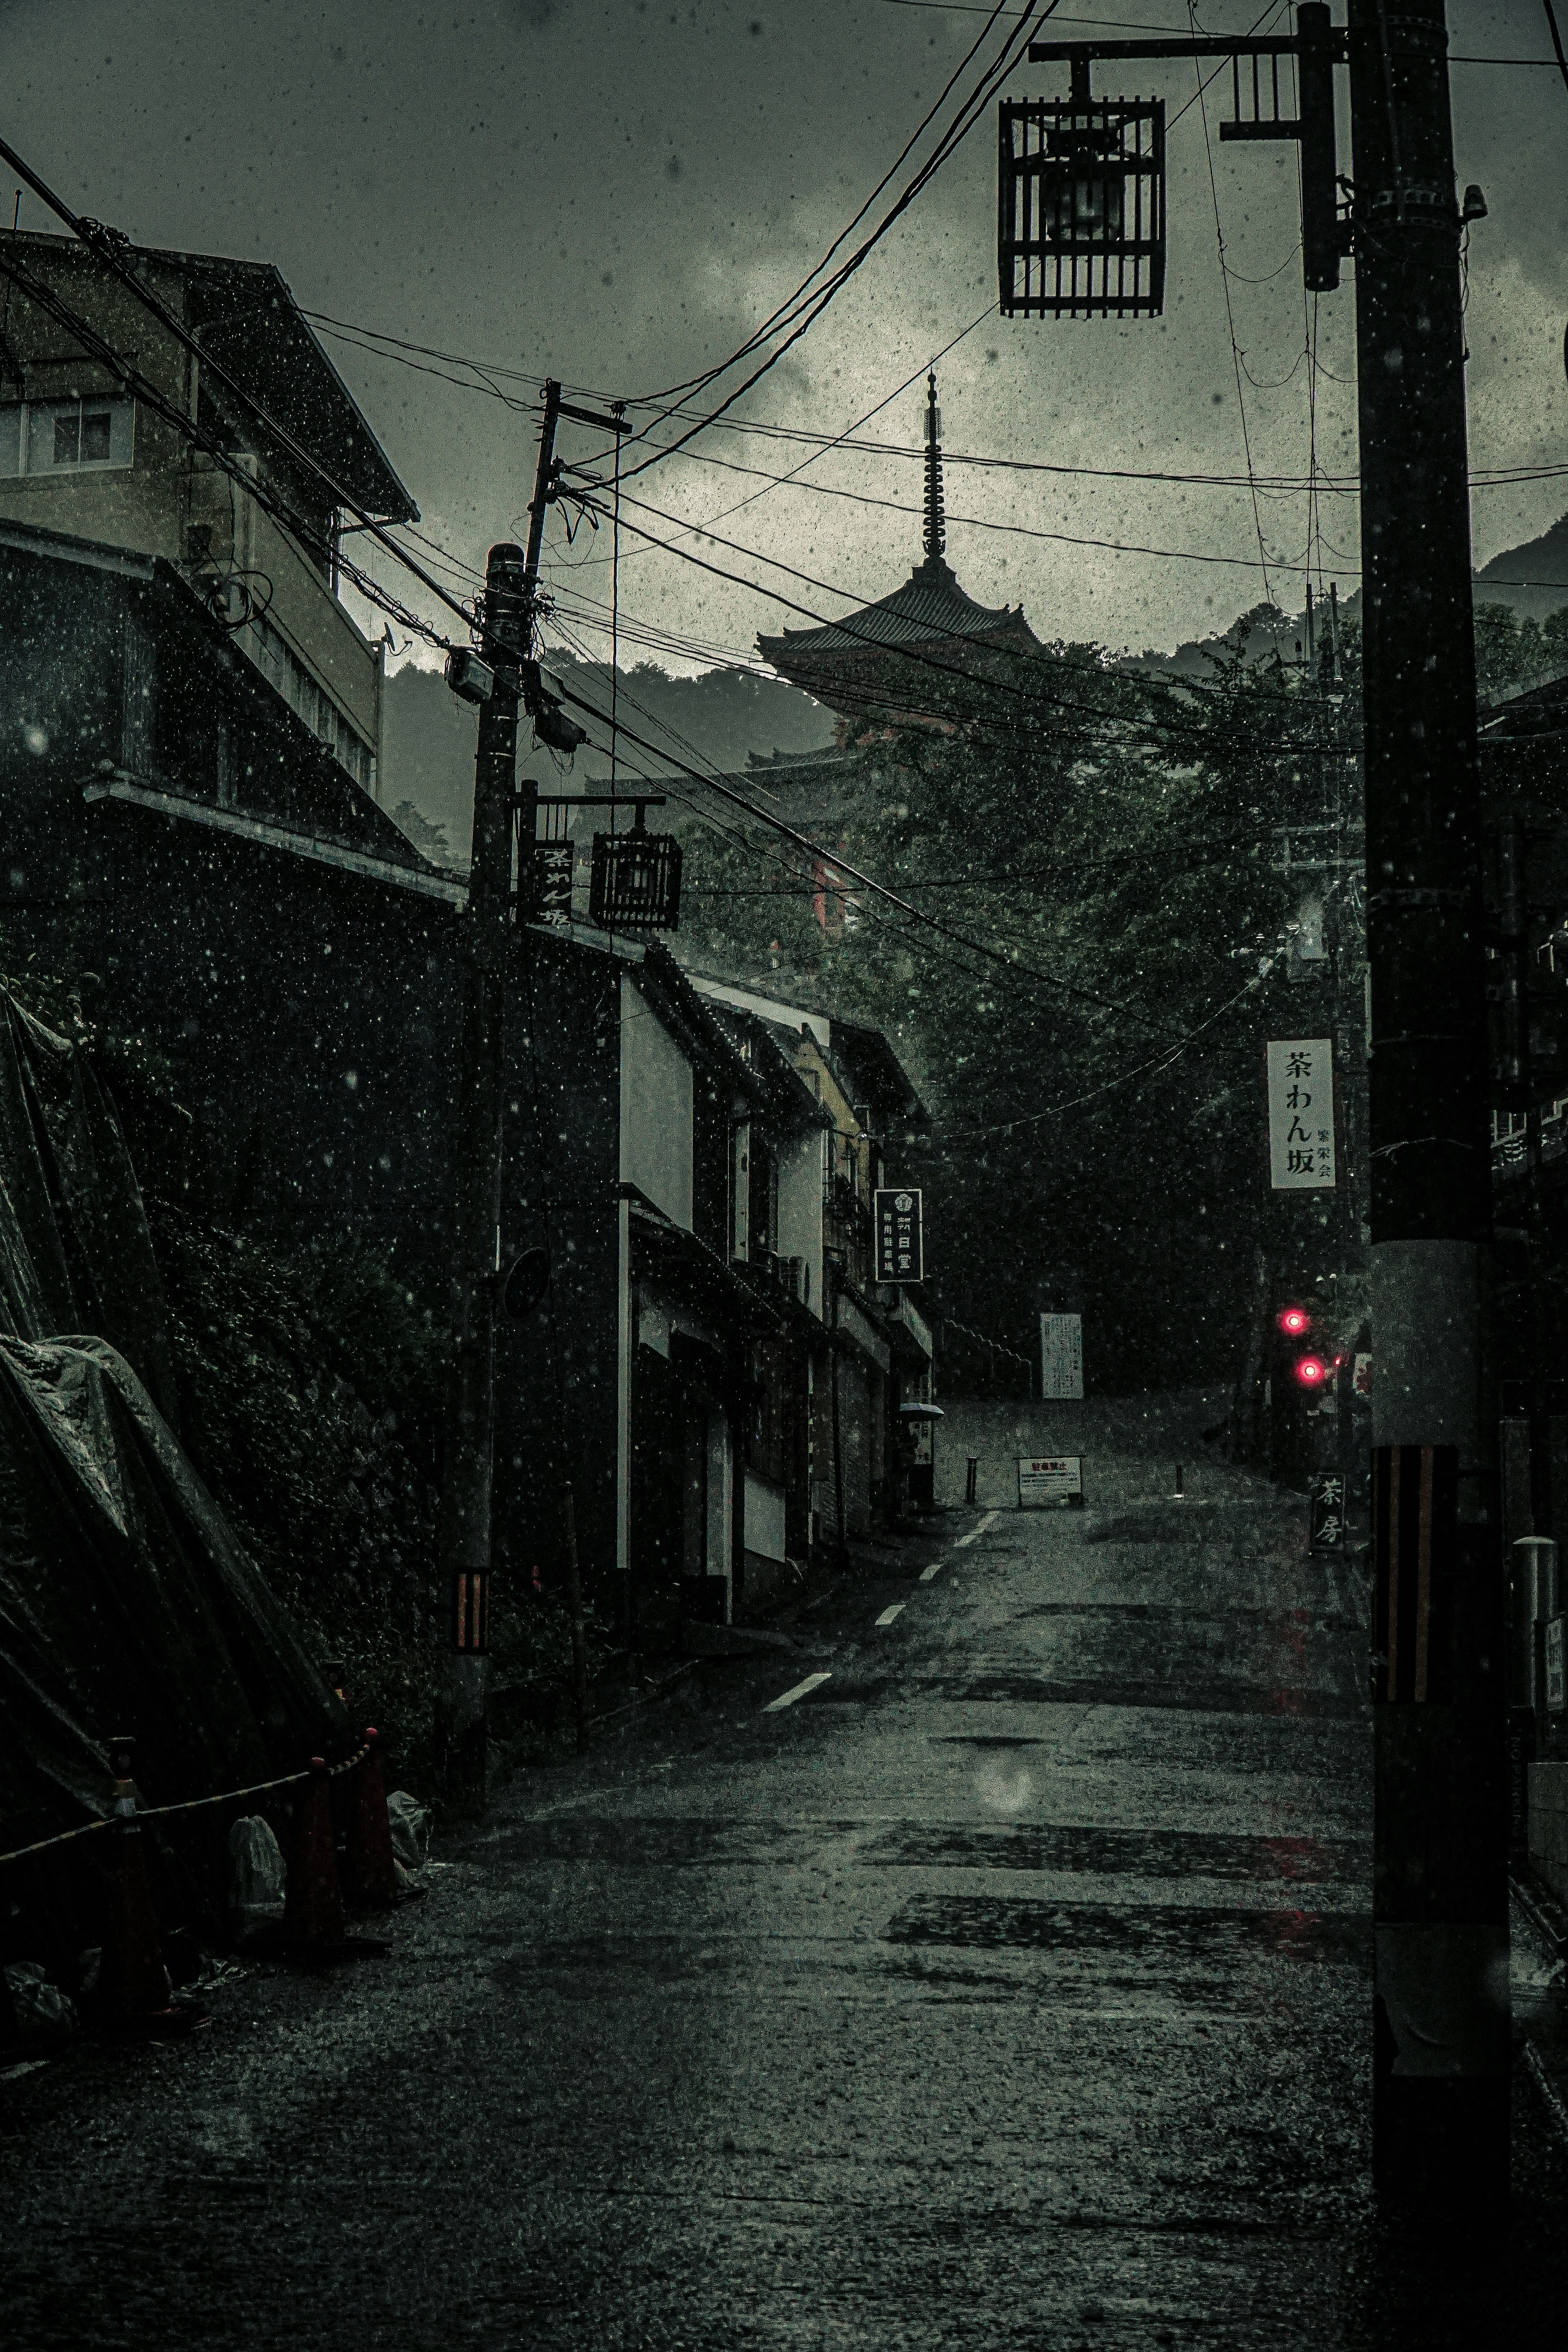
[900, 1249]
[1300, 1114]
[1050, 1483]
[1062, 1356]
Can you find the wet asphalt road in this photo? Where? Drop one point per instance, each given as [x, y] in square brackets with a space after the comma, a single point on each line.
[1006, 1989]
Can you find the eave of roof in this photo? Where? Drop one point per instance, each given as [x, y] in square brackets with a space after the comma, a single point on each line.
[272, 347]
[930, 609]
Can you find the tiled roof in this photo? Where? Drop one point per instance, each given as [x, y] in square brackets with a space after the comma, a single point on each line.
[931, 608]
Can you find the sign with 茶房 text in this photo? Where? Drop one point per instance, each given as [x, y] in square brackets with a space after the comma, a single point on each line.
[901, 1250]
[1062, 1356]
[1328, 1508]
[1554, 1689]
[1050, 1483]
[1300, 1114]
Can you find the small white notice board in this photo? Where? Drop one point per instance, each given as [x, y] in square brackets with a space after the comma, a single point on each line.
[1050, 1483]
[1300, 1114]
[1062, 1356]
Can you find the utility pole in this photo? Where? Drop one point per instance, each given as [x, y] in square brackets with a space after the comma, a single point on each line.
[1441, 2054]
[501, 675]
[478, 1136]
[1082, 231]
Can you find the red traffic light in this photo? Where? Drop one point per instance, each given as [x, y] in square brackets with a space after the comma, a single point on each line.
[1311, 1371]
[1295, 1320]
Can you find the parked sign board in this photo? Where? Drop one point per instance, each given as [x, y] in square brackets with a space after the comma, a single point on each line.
[1062, 1356]
[900, 1248]
[1050, 1482]
[1300, 1114]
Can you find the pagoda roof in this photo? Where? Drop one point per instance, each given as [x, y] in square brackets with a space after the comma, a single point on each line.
[930, 609]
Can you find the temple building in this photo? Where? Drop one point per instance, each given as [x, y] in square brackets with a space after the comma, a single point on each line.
[890, 656]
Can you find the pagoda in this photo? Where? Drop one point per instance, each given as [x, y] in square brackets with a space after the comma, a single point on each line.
[890, 656]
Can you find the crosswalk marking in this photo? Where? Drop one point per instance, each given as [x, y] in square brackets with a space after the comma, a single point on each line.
[888, 1615]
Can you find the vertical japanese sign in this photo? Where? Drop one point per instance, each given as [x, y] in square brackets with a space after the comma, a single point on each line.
[1062, 1356]
[901, 1252]
[1328, 1511]
[1300, 1114]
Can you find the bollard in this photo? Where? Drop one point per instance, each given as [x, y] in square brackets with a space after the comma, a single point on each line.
[970, 1481]
[370, 1867]
[314, 1904]
[132, 1980]
[133, 1986]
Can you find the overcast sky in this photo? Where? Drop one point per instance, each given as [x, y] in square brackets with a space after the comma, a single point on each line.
[616, 191]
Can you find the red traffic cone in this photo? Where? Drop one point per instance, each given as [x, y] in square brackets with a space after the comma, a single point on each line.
[133, 1986]
[369, 1867]
[314, 1904]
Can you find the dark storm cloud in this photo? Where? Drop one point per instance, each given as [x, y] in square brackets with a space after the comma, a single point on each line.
[617, 193]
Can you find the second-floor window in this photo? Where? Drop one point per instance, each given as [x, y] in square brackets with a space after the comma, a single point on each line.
[76, 435]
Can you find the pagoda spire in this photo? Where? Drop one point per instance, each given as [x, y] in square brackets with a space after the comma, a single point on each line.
[936, 515]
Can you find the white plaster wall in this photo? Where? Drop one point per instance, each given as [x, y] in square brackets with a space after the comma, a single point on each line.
[800, 1209]
[656, 1107]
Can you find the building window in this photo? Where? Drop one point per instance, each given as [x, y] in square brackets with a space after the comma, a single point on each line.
[65, 437]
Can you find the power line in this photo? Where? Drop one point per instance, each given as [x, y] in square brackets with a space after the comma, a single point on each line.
[969, 114]
[909, 653]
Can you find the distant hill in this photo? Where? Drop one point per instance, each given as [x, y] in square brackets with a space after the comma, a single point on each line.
[427, 735]
[1542, 564]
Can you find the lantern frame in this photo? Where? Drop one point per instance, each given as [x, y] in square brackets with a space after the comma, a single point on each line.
[633, 882]
[1061, 253]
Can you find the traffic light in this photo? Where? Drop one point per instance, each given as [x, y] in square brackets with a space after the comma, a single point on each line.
[1311, 1371]
[1294, 1321]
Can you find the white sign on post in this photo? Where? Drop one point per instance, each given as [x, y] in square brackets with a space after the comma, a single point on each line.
[1062, 1356]
[1300, 1114]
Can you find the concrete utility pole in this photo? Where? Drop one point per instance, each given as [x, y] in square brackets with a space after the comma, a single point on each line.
[1441, 2111]
[1082, 231]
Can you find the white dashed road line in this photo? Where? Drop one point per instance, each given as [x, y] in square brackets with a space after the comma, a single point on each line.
[935, 1570]
[888, 1615]
[799, 1691]
[975, 1533]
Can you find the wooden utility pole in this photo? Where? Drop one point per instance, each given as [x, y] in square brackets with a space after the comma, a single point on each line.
[503, 677]
[1440, 2097]
[478, 1136]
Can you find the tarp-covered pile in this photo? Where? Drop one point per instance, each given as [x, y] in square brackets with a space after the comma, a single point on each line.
[126, 1605]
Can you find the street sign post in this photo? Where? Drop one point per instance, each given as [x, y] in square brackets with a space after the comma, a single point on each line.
[1050, 1483]
[901, 1242]
[1300, 1114]
[1061, 1357]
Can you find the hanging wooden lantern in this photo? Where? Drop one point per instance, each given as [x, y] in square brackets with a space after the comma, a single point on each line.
[1081, 206]
[634, 881]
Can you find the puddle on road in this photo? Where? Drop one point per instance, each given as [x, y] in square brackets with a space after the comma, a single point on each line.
[1031, 1690]
[1175, 1933]
[1294, 1621]
[1122, 1853]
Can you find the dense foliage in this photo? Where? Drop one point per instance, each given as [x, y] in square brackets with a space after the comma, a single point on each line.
[1096, 857]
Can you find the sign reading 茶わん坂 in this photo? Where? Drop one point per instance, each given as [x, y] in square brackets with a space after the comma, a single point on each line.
[1300, 1114]
[900, 1253]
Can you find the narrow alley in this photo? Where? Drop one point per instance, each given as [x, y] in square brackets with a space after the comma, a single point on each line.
[988, 1967]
